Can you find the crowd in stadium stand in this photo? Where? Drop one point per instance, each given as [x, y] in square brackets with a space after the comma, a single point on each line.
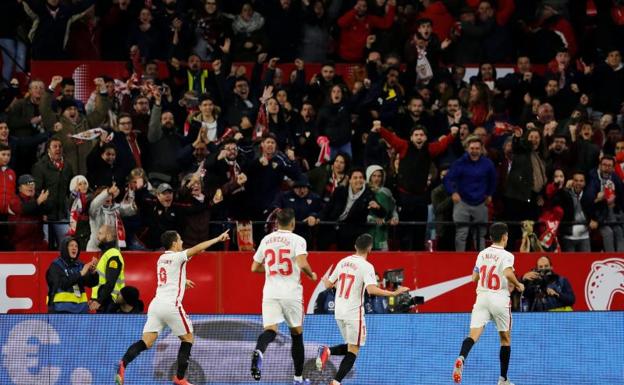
[401, 149]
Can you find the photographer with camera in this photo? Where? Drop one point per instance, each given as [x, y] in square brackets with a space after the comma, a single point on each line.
[545, 290]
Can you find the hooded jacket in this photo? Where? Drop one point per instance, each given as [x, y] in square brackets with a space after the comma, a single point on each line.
[63, 276]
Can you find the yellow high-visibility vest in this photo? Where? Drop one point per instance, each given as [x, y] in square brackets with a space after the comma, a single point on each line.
[101, 271]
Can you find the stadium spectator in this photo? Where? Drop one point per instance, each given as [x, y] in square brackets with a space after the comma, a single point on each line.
[315, 34]
[416, 157]
[72, 122]
[306, 205]
[68, 92]
[127, 302]
[577, 208]
[104, 169]
[326, 178]
[146, 36]
[357, 25]
[376, 178]
[79, 211]
[67, 278]
[471, 181]
[586, 152]
[249, 37]
[26, 233]
[334, 122]
[443, 212]
[8, 181]
[110, 270]
[547, 290]
[350, 207]
[130, 146]
[213, 27]
[103, 210]
[53, 174]
[607, 192]
[196, 226]
[13, 39]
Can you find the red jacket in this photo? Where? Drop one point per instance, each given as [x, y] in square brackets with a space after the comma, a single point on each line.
[7, 188]
[27, 236]
[354, 31]
[441, 18]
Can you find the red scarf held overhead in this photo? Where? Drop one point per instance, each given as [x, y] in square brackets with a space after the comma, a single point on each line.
[134, 147]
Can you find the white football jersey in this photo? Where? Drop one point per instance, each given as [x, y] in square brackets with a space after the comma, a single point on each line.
[350, 277]
[277, 252]
[490, 265]
[171, 277]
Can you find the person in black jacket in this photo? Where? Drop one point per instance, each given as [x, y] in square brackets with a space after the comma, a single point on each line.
[162, 212]
[577, 207]
[67, 278]
[103, 168]
[127, 302]
[334, 121]
[349, 206]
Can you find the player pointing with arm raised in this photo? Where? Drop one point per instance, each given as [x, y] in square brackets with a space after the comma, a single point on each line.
[352, 276]
[166, 307]
[493, 272]
[282, 256]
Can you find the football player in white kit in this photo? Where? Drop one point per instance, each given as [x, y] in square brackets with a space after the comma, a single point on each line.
[166, 307]
[282, 256]
[351, 277]
[493, 273]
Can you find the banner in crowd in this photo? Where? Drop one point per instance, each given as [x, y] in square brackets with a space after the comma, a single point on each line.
[226, 285]
[548, 348]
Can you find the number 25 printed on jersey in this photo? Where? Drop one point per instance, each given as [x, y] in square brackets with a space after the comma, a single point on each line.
[281, 265]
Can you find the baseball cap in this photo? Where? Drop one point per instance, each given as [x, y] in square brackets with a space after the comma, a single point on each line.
[25, 179]
[301, 182]
[163, 187]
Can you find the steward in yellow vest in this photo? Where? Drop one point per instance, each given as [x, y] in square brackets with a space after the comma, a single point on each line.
[67, 278]
[110, 271]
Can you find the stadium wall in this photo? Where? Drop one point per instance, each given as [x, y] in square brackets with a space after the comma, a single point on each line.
[225, 284]
[547, 348]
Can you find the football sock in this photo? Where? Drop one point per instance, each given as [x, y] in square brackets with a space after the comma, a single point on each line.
[298, 353]
[466, 346]
[183, 357]
[265, 339]
[133, 351]
[339, 350]
[505, 355]
[345, 366]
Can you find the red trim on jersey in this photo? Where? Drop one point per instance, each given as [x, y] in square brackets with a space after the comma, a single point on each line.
[360, 317]
[510, 319]
[186, 327]
[180, 282]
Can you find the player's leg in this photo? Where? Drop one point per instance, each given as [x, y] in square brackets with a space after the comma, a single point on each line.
[501, 313]
[478, 319]
[292, 310]
[271, 317]
[181, 326]
[504, 356]
[146, 342]
[184, 353]
[355, 337]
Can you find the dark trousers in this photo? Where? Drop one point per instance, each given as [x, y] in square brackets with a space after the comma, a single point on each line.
[413, 208]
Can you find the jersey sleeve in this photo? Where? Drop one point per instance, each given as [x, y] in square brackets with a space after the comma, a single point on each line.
[478, 263]
[333, 277]
[508, 261]
[259, 255]
[301, 247]
[369, 275]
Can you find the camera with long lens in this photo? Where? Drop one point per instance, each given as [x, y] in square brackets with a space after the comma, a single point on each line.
[545, 277]
[403, 302]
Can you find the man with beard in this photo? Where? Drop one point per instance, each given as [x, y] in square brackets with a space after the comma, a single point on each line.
[558, 155]
[447, 118]
[164, 142]
[73, 122]
[416, 156]
[110, 269]
[416, 115]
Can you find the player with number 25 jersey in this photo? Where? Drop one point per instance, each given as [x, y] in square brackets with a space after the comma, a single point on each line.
[282, 256]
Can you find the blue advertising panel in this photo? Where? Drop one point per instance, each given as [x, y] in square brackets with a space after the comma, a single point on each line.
[547, 348]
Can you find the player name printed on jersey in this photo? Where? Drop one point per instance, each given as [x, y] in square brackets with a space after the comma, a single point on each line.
[350, 277]
[491, 264]
[171, 276]
[278, 252]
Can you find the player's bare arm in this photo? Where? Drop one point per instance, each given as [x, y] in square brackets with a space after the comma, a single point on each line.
[509, 274]
[206, 244]
[257, 267]
[376, 290]
[475, 275]
[302, 262]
